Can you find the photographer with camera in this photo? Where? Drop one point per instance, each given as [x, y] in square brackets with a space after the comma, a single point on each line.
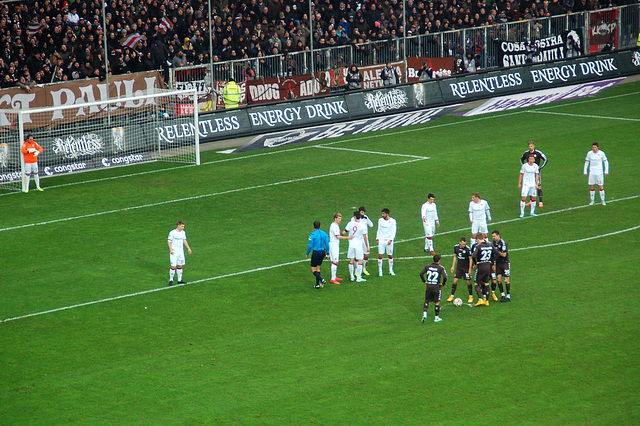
[425, 73]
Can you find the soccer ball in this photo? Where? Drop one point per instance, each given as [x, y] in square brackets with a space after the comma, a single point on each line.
[457, 302]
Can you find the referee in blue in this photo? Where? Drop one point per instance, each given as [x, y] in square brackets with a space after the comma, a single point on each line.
[319, 243]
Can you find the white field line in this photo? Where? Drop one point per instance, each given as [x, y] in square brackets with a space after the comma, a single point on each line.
[561, 243]
[386, 154]
[515, 219]
[169, 169]
[588, 100]
[265, 268]
[585, 116]
[213, 194]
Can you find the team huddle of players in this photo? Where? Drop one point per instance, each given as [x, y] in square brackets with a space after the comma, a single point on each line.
[489, 261]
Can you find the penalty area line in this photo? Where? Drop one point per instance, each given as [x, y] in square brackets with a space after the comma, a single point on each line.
[516, 219]
[388, 154]
[213, 194]
[280, 265]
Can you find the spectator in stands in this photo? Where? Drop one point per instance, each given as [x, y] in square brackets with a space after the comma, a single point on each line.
[59, 76]
[179, 60]
[425, 73]
[188, 49]
[26, 83]
[469, 63]
[147, 62]
[354, 78]
[247, 72]
[389, 76]
[555, 8]
[572, 47]
[7, 82]
[159, 52]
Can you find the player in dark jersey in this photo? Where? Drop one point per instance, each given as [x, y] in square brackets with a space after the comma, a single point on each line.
[461, 268]
[484, 256]
[503, 267]
[541, 160]
[434, 276]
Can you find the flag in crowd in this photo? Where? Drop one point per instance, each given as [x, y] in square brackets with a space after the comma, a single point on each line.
[35, 27]
[132, 40]
[165, 25]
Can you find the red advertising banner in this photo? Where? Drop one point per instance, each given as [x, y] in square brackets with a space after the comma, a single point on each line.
[414, 64]
[284, 88]
[267, 90]
[603, 31]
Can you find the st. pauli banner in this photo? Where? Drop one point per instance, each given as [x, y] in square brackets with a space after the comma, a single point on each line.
[78, 92]
[81, 91]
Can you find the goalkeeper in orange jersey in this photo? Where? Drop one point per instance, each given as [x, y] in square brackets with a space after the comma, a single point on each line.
[30, 150]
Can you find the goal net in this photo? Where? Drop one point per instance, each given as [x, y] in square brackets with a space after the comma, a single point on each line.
[159, 126]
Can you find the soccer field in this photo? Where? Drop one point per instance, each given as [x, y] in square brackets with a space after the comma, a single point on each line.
[91, 332]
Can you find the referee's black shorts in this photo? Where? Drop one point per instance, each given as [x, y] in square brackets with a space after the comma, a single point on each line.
[317, 257]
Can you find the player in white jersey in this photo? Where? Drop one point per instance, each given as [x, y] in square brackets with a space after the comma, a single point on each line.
[598, 165]
[177, 241]
[528, 183]
[479, 215]
[334, 246]
[384, 238]
[365, 219]
[358, 244]
[430, 221]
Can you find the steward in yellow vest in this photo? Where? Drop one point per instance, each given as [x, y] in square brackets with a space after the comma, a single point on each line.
[231, 94]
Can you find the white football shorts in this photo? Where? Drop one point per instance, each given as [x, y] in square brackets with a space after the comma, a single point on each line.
[355, 251]
[334, 252]
[385, 247]
[596, 179]
[31, 168]
[429, 228]
[530, 191]
[479, 226]
[177, 259]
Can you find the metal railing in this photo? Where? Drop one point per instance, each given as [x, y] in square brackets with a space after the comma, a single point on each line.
[480, 41]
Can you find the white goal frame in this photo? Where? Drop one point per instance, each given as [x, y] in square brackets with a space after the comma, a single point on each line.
[111, 144]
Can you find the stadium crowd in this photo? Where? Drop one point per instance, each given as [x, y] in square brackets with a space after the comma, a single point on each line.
[58, 40]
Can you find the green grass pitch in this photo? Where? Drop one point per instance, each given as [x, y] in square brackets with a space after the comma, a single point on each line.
[91, 333]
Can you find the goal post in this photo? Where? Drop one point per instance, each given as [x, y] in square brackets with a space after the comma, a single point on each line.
[101, 134]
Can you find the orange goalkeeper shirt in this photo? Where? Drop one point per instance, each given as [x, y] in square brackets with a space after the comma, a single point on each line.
[30, 157]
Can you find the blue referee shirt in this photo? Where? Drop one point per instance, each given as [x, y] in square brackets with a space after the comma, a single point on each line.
[318, 241]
